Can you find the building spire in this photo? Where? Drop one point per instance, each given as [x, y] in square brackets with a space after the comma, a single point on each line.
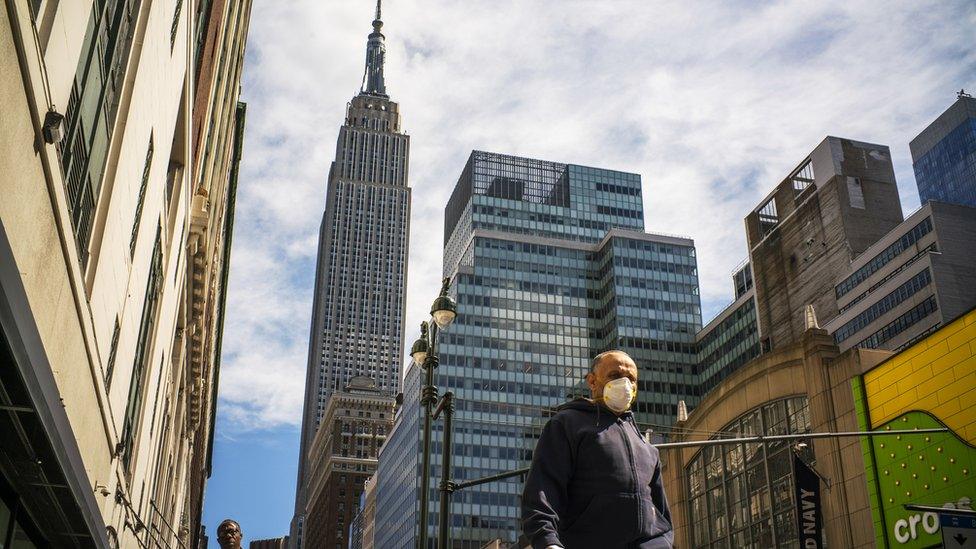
[373, 83]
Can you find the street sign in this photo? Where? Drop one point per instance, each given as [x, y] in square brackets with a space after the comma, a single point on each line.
[958, 532]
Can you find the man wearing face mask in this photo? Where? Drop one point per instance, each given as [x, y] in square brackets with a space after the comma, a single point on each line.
[594, 481]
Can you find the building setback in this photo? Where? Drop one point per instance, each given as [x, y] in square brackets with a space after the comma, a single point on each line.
[944, 155]
[731, 339]
[831, 235]
[342, 458]
[358, 304]
[550, 265]
[917, 277]
[115, 231]
[270, 543]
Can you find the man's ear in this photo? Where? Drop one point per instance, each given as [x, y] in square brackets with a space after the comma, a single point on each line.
[590, 380]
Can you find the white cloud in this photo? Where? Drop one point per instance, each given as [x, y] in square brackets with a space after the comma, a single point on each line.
[711, 102]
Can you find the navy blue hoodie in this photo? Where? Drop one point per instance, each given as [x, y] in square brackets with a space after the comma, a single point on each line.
[595, 483]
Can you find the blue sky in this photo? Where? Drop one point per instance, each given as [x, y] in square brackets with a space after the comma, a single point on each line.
[713, 103]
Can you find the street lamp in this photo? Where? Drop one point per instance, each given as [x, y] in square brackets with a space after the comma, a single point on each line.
[424, 352]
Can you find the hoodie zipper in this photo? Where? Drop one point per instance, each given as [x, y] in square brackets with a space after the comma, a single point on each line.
[633, 472]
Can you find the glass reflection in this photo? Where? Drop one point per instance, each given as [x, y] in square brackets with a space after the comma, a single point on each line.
[737, 496]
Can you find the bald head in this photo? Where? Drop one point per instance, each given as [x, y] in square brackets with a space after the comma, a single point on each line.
[608, 366]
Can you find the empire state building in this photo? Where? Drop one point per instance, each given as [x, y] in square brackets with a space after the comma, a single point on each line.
[358, 306]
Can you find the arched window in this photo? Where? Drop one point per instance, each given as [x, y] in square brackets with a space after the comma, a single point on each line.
[741, 495]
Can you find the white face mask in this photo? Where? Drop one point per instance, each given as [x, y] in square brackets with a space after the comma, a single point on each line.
[619, 393]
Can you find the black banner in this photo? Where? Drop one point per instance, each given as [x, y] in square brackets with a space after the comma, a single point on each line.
[809, 513]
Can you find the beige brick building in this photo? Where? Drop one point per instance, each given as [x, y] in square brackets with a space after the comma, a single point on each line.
[118, 153]
[343, 457]
[740, 494]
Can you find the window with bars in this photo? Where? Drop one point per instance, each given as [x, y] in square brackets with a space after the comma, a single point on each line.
[768, 217]
[802, 178]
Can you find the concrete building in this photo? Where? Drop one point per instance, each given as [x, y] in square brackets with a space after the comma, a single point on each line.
[550, 265]
[831, 235]
[113, 263]
[342, 458]
[944, 155]
[836, 203]
[271, 543]
[360, 280]
[917, 277]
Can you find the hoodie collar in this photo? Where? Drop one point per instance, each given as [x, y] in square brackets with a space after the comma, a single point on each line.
[588, 405]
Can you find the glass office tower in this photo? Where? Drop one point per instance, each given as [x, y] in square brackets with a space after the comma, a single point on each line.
[944, 155]
[550, 265]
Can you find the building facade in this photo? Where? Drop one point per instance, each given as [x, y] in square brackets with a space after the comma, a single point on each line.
[342, 459]
[114, 249]
[836, 203]
[917, 277]
[831, 235]
[731, 339]
[550, 265]
[270, 543]
[398, 468]
[944, 155]
[741, 494]
[362, 534]
[217, 134]
[358, 306]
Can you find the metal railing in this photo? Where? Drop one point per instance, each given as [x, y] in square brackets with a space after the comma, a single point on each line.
[448, 486]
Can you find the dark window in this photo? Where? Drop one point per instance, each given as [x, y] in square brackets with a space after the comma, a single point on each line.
[146, 330]
[142, 197]
[900, 324]
[176, 24]
[883, 257]
[90, 113]
[110, 364]
[883, 305]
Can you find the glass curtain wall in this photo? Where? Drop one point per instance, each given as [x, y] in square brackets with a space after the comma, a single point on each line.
[947, 172]
[550, 265]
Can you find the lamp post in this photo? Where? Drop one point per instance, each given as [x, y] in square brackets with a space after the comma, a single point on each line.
[424, 352]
